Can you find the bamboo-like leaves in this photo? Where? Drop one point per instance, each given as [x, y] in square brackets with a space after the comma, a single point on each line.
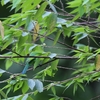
[51, 21]
[39, 13]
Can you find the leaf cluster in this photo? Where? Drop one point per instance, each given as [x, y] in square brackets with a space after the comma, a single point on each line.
[24, 37]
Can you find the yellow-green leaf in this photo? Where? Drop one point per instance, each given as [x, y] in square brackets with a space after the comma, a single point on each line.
[1, 30]
[97, 62]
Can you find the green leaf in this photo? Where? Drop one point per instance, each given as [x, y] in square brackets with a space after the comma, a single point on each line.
[8, 90]
[75, 11]
[98, 18]
[32, 47]
[39, 13]
[95, 5]
[79, 29]
[79, 36]
[48, 71]
[53, 98]
[22, 40]
[25, 87]
[80, 85]
[18, 85]
[94, 40]
[53, 90]
[6, 1]
[30, 98]
[7, 44]
[37, 62]
[76, 17]
[31, 84]
[81, 11]
[9, 62]
[39, 85]
[61, 99]
[75, 88]
[74, 3]
[36, 2]
[3, 94]
[51, 21]
[69, 84]
[15, 3]
[29, 23]
[54, 64]
[6, 87]
[67, 31]
[38, 50]
[57, 36]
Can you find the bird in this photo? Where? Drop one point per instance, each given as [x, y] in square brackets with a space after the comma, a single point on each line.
[28, 64]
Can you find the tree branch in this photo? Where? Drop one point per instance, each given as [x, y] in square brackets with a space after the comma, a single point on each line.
[95, 98]
[57, 57]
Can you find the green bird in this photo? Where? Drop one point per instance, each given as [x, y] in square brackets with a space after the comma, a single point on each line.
[29, 62]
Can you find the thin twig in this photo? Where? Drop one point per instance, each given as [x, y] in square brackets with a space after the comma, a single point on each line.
[57, 57]
[79, 76]
[4, 81]
[43, 64]
[69, 47]
[13, 52]
[95, 36]
[62, 5]
[65, 98]
[95, 98]
[66, 68]
[88, 42]
[55, 47]
[67, 14]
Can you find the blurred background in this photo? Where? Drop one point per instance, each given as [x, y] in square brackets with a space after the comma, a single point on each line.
[92, 89]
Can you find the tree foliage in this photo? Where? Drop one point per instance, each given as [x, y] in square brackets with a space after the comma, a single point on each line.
[25, 35]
